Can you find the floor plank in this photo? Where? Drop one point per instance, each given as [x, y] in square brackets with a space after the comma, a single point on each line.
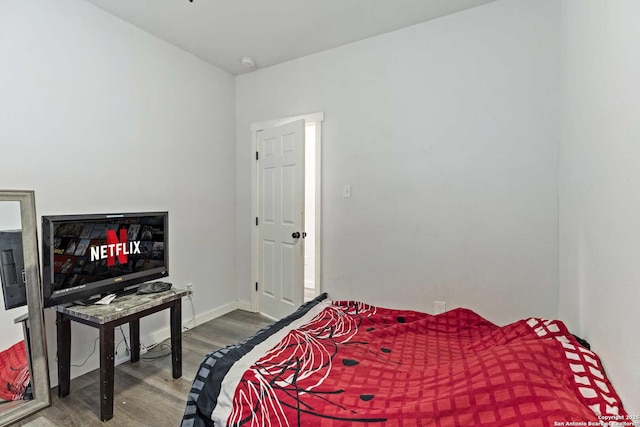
[145, 392]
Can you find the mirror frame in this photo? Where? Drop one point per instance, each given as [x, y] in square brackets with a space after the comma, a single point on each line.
[38, 345]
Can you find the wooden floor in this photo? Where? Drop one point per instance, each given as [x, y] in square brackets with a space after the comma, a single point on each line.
[145, 392]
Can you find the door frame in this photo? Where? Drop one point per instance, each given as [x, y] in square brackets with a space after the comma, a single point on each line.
[316, 118]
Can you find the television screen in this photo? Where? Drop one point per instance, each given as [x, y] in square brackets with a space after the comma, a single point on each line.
[89, 255]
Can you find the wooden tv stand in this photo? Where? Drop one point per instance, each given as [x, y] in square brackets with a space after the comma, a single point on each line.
[125, 309]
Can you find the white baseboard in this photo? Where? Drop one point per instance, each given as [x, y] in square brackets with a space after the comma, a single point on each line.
[245, 305]
[216, 312]
[164, 333]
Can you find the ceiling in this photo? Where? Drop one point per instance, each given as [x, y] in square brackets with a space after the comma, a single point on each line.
[272, 31]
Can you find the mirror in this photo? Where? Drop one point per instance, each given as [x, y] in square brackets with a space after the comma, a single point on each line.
[24, 371]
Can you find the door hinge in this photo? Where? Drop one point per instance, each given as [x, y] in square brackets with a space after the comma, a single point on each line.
[256, 286]
[257, 155]
[256, 220]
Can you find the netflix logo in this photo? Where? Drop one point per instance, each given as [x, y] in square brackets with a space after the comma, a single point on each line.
[115, 248]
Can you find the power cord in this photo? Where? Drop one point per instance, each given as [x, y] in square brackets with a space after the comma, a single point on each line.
[90, 354]
[193, 315]
[125, 341]
[163, 351]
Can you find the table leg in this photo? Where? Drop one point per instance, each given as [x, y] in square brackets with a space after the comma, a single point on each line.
[134, 335]
[63, 326]
[106, 372]
[176, 338]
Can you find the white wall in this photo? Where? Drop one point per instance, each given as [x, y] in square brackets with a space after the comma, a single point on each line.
[599, 181]
[98, 116]
[447, 132]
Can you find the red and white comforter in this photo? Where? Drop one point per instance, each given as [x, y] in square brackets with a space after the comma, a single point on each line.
[348, 363]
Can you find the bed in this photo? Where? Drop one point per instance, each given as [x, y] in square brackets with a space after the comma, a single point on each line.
[349, 363]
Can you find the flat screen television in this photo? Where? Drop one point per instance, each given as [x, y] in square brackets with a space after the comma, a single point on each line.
[90, 255]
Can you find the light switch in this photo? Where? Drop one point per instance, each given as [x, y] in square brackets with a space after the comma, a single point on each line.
[346, 191]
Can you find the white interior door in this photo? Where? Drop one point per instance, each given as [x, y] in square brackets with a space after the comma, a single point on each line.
[281, 218]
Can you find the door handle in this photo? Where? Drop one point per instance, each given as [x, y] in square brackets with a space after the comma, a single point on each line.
[296, 235]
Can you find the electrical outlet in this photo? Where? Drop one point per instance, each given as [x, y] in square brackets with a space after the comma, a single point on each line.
[120, 358]
[439, 307]
[189, 289]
